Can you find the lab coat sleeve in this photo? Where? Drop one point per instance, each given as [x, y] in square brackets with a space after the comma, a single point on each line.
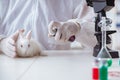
[1, 38]
[84, 12]
[4, 5]
[1, 17]
[86, 33]
[84, 15]
[2, 14]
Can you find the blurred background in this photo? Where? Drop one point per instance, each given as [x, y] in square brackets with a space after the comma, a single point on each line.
[118, 13]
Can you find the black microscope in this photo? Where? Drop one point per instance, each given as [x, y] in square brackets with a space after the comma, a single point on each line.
[100, 8]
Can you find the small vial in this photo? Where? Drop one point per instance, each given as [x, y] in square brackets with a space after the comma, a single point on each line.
[95, 71]
[103, 72]
[104, 64]
[95, 74]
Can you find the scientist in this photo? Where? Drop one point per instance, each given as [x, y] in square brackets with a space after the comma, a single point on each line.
[71, 19]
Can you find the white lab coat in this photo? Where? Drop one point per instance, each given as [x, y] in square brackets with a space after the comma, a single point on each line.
[35, 15]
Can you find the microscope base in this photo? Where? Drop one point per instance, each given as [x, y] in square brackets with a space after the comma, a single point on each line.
[114, 54]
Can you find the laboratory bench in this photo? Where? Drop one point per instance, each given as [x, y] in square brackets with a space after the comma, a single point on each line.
[54, 65]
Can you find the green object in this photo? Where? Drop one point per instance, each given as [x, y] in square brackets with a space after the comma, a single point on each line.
[109, 62]
[103, 72]
[119, 62]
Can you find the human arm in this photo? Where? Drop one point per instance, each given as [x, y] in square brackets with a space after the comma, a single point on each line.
[81, 26]
[8, 44]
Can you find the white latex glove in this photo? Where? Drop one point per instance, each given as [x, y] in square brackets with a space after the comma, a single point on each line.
[7, 45]
[63, 31]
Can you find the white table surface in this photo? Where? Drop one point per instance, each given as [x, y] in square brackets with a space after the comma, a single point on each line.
[58, 65]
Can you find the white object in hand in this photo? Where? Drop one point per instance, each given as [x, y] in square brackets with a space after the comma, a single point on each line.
[63, 31]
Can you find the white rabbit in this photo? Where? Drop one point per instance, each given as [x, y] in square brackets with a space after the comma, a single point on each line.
[26, 46]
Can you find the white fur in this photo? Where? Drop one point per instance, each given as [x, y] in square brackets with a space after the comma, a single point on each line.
[27, 47]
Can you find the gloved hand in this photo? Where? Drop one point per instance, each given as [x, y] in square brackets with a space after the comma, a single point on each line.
[63, 31]
[7, 45]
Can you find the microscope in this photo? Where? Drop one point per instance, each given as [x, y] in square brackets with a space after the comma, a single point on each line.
[100, 8]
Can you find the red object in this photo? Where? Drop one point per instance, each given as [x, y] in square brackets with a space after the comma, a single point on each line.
[95, 73]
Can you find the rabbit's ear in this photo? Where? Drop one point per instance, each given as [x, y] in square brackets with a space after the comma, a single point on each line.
[21, 31]
[20, 35]
[29, 34]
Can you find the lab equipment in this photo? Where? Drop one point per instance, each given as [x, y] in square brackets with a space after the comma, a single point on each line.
[95, 70]
[104, 57]
[101, 7]
[103, 73]
[100, 68]
[102, 53]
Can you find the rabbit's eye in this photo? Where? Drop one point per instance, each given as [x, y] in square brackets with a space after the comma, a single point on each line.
[21, 45]
[28, 45]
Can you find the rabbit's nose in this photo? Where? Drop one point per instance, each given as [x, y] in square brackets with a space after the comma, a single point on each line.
[72, 38]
